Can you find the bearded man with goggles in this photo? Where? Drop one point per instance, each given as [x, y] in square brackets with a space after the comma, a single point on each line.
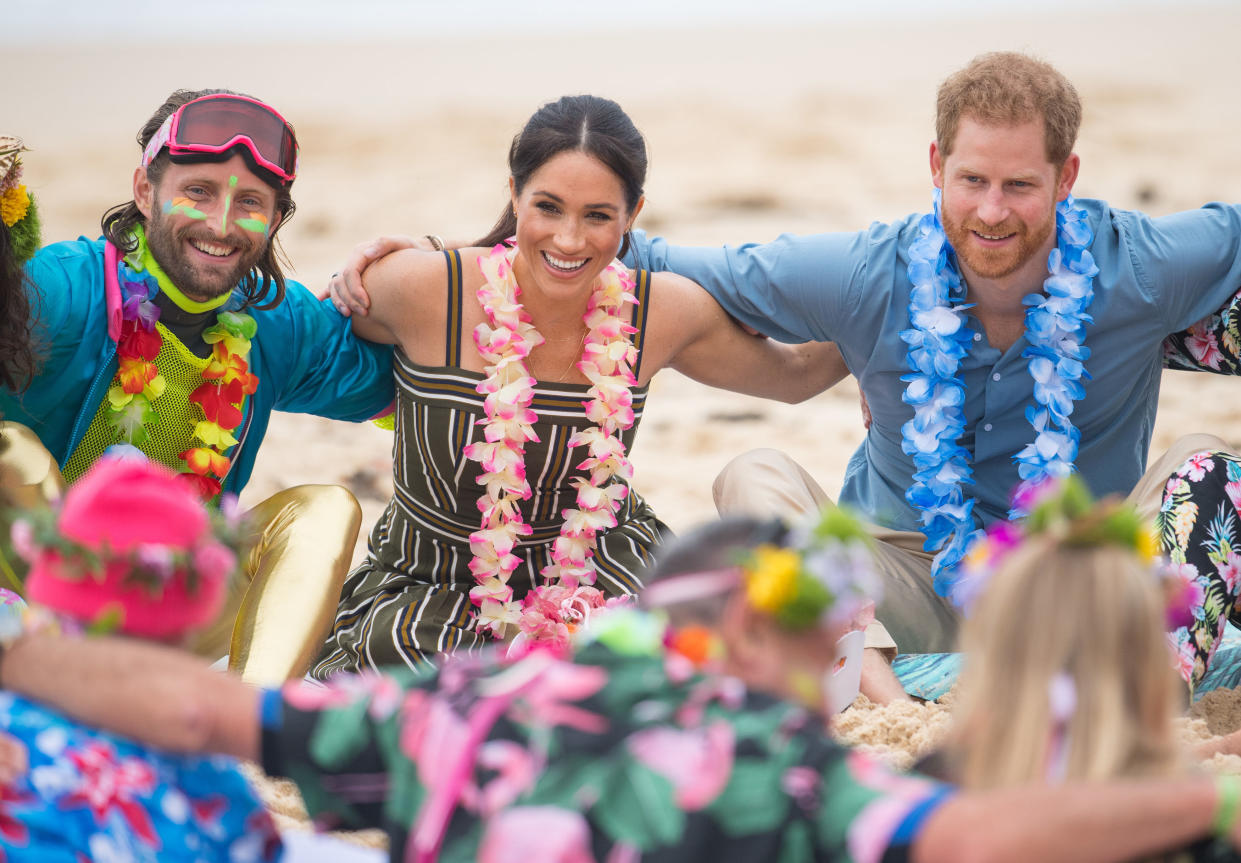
[178, 333]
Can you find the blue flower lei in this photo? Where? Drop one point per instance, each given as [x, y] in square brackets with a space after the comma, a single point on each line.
[939, 340]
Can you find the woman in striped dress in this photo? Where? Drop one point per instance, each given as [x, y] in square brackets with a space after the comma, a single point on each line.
[522, 371]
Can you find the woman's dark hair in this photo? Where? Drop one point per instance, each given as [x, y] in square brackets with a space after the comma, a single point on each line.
[591, 124]
[119, 222]
[17, 356]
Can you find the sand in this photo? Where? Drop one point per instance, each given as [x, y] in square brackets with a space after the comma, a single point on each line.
[752, 131]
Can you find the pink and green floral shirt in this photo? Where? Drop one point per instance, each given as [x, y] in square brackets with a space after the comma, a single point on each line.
[614, 756]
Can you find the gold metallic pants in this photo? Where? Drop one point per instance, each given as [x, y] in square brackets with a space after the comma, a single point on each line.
[296, 557]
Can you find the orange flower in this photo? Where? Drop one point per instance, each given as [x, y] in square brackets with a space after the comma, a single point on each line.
[203, 461]
[696, 643]
[228, 367]
[135, 373]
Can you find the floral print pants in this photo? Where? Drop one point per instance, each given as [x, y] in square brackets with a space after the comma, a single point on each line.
[1200, 531]
[1198, 519]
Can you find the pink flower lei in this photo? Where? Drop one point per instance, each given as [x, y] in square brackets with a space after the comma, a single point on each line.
[551, 610]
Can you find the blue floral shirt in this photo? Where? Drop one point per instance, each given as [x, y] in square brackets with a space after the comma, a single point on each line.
[91, 796]
[1157, 276]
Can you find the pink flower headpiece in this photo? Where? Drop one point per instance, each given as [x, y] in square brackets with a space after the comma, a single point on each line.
[130, 549]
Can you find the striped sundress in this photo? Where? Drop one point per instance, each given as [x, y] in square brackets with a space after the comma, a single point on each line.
[410, 598]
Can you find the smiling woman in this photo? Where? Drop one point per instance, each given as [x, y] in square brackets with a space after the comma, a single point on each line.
[530, 421]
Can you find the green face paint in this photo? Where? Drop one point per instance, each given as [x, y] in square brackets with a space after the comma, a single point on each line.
[185, 207]
[228, 204]
[258, 226]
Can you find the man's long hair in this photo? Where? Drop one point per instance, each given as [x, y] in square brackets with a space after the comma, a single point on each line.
[119, 221]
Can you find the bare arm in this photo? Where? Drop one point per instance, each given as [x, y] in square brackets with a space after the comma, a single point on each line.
[710, 347]
[346, 286]
[1087, 822]
[150, 693]
[395, 285]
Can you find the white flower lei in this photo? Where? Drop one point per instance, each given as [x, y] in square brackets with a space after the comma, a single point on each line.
[939, 340]
[608, 354]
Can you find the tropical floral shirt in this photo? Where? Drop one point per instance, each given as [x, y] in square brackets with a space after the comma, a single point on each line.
[91, 797]
[612, 756]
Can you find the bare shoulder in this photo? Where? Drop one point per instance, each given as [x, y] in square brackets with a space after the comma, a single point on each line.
[674, 295]
[408, 273]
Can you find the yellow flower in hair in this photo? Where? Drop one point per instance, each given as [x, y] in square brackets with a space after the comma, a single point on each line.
[771, 577]
[1148, 544]
[13, 206]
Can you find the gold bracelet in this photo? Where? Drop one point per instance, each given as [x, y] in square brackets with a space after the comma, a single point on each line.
[437, 242]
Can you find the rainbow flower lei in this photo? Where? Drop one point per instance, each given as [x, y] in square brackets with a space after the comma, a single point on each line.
[226, 379]
[550, 611]
[938, 340]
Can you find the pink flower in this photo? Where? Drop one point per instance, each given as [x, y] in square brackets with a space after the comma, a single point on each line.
[433, 736]
[1204, 347]
[1196, 466]
[547, 834]
[22, 535]
[1182, 652]
[1233, 490]
[548, 702]
[213, 561]
[516, 770]
[1230, 571]
[696, 761]
[491, 589]
[344, 689]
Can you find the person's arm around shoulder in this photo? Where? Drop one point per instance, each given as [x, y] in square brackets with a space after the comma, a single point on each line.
[346, 286]
[698, 339]
[399, 287]
[1114, 821]
[796, 288]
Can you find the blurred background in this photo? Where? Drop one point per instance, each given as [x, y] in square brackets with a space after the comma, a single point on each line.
[792, 116]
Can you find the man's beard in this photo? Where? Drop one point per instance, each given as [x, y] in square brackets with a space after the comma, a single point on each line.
[997, 263]
[199, 284]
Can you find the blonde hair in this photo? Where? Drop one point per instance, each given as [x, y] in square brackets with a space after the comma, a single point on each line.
[1093, 613]
[1007, 88]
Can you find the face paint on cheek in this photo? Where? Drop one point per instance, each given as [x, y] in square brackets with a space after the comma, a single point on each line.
[257, 223]
[228, 204]
[184, 207]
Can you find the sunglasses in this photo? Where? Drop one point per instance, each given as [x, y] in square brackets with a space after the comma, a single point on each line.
[212, 125]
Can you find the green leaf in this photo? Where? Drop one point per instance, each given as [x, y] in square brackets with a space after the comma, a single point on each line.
[638, 807]
[339, 734]
[747, 804]
[798, 844]
[238, 324]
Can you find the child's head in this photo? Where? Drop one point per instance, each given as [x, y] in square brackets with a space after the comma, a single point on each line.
[131, 549]
[1068, 673]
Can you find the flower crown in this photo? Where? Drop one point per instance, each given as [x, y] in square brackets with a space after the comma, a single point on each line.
[35, 533]
[130, 548]
[826, 570]
[1066, 511]
[17, 206]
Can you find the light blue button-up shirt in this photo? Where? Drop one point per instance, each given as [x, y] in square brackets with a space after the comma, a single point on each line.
[1156, 276]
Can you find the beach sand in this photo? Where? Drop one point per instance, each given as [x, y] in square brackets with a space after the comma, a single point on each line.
[752, 131]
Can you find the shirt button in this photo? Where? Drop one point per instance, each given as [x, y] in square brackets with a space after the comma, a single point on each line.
[987, 427]
[978, 337]
[996, 376]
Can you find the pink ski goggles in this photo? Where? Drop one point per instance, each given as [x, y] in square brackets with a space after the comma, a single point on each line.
[212, 125]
